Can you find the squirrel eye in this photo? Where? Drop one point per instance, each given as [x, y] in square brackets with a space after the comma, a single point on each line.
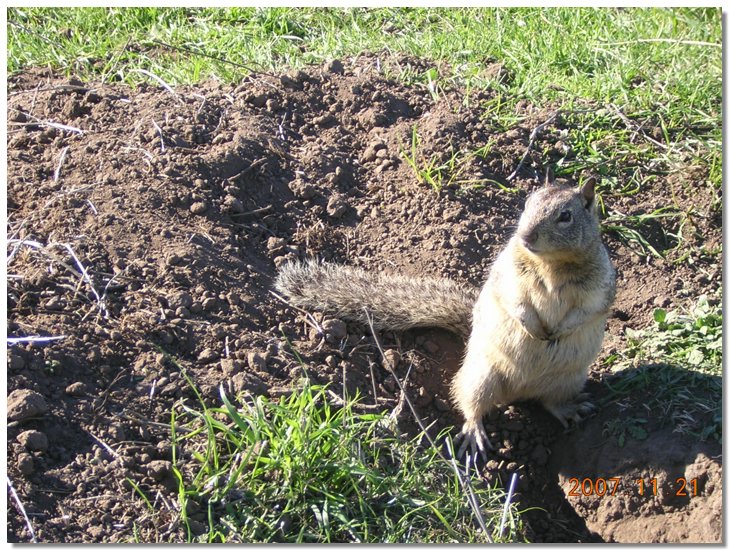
[565, 216]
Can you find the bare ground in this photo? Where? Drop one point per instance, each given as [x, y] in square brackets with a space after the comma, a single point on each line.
[180, 206]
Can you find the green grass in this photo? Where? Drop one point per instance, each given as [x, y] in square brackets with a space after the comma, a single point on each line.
[598, 53]
[302, 469]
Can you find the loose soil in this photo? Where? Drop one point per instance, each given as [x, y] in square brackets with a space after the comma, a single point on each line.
[179, 205]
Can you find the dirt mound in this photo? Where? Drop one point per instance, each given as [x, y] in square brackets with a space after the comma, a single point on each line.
[148, 220]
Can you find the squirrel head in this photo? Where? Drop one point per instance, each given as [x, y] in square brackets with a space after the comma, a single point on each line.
[559, 221]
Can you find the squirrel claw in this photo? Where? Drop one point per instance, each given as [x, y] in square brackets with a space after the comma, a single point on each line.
[474, 441]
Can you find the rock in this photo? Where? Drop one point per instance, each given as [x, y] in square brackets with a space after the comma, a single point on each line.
[25, 464]
[431, 347]
[180, 299]
[182, 313]
[513, 425]
[540, 455]
[173, 259]
[322, 120]
[198, 208]
[290, 83]
[55, 303]
[393, 358]
[15, 362]
[334, 330]
[301, 189]
[198, 528]
[441, 404]
[208, 356]
[256, 360]
[25, 404]
[209, 304]
[337, 206]
[77, 389]
[230, 366]
[370, 153]
[232, 204]
[275, 244]
[33, 440]
[259, 100]
[158, 469]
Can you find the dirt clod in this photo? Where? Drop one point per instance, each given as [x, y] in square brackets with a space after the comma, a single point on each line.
[25, 404]
[181, 229]
[33, 440]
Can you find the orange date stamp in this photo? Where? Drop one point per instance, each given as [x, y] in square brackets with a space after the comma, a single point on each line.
[602, 486]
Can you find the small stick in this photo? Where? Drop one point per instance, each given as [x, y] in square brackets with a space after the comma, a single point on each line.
[468, 489]
[85, 275]
[108, 449]
[161, 82]
[402, 388]
[257, 211]
[372, 378]
[194, 52]
[532, 139]
[161, 136]
[24, 339]
[668, 40]
[250, 167]
[39, 122]
[512, 486]
[57, 173]
[28, 524]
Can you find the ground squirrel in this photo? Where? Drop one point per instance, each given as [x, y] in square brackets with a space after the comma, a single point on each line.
[532, 331]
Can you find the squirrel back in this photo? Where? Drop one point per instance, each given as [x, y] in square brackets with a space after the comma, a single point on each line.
[395, 302]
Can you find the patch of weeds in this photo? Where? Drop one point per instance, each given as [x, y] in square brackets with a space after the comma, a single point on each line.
[500, 112]
[304, 469]
[673, 370]
[643, 233]
[692, 339]
[619, 428]
[437, 173]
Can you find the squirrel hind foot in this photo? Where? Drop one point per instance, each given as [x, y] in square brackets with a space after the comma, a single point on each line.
[473, 440]
[573, 411]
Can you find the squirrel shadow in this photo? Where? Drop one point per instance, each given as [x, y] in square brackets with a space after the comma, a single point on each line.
[654, 423]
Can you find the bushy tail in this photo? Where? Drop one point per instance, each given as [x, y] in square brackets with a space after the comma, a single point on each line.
[395, 302]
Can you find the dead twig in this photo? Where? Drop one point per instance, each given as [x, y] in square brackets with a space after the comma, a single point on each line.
[251, 166]
[532, 138]
[57, 173]
[160, 81]
[203, 54]
[20, 506]
[512, 486]
[32, 339]
[83, 272]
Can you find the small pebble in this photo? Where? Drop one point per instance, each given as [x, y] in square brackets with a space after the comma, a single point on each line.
[25, 464]
[77, 389]
[33, 440]
[198, 208]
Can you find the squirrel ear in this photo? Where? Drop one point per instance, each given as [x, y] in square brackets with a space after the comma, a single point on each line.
[588, 192]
